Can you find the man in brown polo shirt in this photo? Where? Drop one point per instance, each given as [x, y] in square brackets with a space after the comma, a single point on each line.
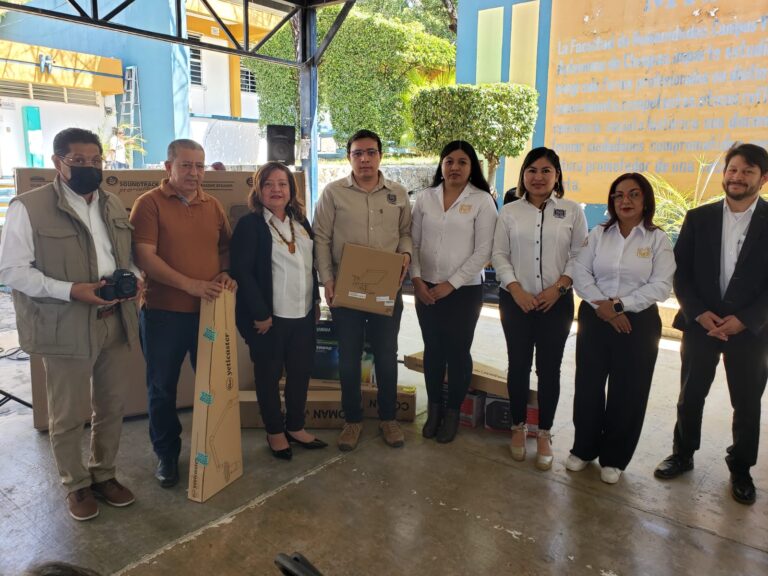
[181, 242]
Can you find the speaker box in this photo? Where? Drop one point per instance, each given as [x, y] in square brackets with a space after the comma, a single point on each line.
[281, 144]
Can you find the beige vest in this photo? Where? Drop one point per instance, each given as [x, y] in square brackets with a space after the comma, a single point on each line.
[64, 250]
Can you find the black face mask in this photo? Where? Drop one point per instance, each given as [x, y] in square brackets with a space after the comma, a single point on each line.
[84, 179]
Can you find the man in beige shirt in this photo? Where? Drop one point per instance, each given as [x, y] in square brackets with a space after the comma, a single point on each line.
[367, 209]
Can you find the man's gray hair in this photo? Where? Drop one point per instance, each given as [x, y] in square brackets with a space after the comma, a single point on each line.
[173, 147]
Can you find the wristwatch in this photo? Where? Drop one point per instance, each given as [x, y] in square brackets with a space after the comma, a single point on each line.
[618, 306]
[563, 290]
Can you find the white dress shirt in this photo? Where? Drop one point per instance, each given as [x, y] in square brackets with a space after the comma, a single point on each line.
[291, 273]
[535, 247]
[735, 226]
[637, 269]
[17, 248]
[452, 245]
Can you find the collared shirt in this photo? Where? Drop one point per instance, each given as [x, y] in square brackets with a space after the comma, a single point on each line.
[17, 248]
[452, 245]
[192, 237]
[345, 212]
[735, 226]
[535, 246]
[291, 273]
[637, 269]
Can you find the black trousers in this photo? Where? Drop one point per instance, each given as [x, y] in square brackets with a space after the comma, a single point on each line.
[745, 357]
[289, 343]
[448, 328]
[352, 328]
[547, 333]
[609, 428]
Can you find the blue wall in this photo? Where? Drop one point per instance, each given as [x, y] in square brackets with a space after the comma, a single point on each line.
[162, 67]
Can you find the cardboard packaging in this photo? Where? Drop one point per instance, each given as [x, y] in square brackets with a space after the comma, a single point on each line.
[324, 407]
[231, 189]
[216, 458]
[484, 378]
[497, 415]
[472, 411]
[368, 279]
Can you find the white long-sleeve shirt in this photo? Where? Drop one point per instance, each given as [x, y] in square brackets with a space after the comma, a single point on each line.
[735, 226]
[452, 245]
[637, 269]
[535, 247]
[17, 248]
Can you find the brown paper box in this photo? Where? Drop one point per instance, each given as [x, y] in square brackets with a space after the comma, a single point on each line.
[484, 378]
[368, 279]
[216, 458]
[324, 407]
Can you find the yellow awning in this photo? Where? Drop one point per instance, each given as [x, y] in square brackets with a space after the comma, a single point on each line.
[42, 65]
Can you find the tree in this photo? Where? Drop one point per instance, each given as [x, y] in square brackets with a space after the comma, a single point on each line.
[364, 77]
[439, 17]
[497, 119]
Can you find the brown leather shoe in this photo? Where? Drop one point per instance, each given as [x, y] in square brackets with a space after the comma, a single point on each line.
[392, 433]
[350, 436]
[114, 493]
[82, 505]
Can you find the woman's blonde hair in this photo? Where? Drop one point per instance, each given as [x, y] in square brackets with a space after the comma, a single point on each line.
[294, 209]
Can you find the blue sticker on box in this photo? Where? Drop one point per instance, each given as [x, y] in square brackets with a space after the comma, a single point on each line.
[210, 334]
[202, 458]
[206, 398]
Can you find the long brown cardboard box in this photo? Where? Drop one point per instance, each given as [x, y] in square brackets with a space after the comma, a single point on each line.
[324, 407]
[484, 378]
[368, 279]
[216, 458]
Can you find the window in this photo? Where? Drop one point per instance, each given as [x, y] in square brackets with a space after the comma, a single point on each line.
[247, 80]
[195, 63]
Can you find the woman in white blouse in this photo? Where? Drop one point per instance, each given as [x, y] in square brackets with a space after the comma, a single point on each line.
[452, 230]
[536, 241]
[625, 269]
[277, 303]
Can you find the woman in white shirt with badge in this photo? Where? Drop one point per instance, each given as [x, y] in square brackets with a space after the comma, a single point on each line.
[624, 270]
[452, 230]
[271, 255]
[536, 241]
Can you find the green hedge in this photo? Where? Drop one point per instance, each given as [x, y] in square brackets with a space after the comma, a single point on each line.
[497, 119]
[363, 76]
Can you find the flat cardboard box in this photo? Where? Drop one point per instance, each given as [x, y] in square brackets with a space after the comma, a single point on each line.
[368, 279]
[231, 189]
[484, 378]
[324, 407]
[216, 458]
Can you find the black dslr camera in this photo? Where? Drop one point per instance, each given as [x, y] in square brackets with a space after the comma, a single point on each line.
[122, 284]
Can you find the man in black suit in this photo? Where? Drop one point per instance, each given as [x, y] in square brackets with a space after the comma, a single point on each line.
[721, 283]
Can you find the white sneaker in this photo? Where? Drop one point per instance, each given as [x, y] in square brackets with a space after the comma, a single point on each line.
[575, 464]
[610, 475]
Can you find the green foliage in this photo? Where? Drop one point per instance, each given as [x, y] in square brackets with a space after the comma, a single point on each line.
[363, 76]
[497, 119]
[672, 204]
[431, 14]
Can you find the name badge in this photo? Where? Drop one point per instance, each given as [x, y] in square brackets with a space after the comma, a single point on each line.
[465, 208]
[644, 252]
[559, 213]
[392, 199]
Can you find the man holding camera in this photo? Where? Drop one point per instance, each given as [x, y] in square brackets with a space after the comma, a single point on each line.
[181, 241]
[58, 241]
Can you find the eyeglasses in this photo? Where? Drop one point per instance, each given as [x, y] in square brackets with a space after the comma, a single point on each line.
[632, 195]
[81, 161]
[358, 154]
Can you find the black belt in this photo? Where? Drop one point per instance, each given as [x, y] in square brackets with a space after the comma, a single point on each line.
[106, 311]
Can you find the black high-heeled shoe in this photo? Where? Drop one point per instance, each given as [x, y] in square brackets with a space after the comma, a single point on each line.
[316, 443]
[284, 454]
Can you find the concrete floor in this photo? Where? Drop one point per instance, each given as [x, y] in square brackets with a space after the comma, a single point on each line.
[463, 508]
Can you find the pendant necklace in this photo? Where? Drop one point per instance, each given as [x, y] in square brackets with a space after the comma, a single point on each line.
[290, 243]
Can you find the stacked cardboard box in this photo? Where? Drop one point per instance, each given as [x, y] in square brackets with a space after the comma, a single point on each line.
[488, 395]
